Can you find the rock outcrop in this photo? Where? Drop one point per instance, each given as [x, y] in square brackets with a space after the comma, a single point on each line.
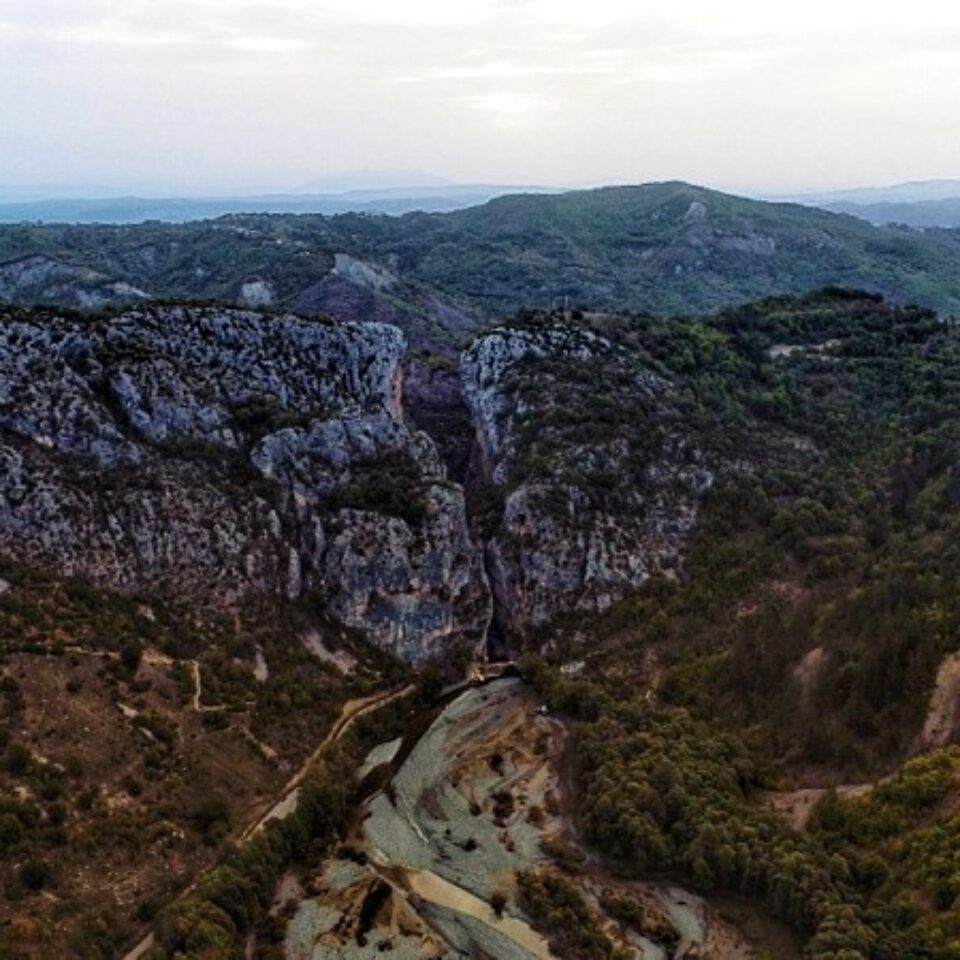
[39, 279]
[600, 488]
[216, 452]
[360, 290]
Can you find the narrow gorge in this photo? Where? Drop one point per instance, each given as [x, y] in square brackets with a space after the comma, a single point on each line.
[214, 453]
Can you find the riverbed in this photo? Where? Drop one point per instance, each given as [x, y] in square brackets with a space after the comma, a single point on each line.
[464, 809]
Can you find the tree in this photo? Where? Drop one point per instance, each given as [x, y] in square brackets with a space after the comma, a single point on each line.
[130, 654]
[11, 832]
[35, 874]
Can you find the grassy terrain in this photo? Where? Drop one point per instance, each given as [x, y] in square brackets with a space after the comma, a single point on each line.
[119, 784]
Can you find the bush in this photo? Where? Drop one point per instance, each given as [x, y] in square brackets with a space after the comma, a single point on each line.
[392, 485]
[211, 819]
[11, 832]
[130, 655]
[35, 874]
[18, 760]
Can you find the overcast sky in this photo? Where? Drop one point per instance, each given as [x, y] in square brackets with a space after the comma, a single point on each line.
[761, 95]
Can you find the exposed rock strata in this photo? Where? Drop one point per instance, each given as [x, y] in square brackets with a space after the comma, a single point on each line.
[587, 516]
[40, 279]
[203, 451]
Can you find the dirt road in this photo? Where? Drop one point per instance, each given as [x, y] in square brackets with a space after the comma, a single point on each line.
[352, 711]
[286, 804]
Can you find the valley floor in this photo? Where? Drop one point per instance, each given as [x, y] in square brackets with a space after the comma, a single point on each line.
[432, 867]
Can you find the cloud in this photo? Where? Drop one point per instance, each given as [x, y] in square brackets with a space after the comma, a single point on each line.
[262, 44]
[761, 17]
[496, 70]
[692, 88]
[118, 33]
[582, 13]
[505, 104]
[664, 57]
[121, 34]
[411, 13]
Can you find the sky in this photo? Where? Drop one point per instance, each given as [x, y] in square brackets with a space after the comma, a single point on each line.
[240, 95]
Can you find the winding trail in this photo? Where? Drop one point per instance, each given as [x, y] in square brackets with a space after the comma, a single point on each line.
[351, 711]
[161, 659]
[796, 806]
[940, 725]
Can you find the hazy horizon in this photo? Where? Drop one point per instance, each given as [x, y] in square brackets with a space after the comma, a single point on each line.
[384, 182]
[233, 96]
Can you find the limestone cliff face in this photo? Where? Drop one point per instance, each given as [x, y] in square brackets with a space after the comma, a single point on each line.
[412, 581]
[600, 488]
[216, 452]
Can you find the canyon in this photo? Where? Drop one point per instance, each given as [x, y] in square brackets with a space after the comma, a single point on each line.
[216, 453]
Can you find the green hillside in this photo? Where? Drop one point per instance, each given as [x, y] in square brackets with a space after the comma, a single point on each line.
[662, 248]
[666, 248]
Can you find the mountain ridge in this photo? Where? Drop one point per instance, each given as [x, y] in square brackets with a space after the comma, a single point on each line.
[667, 248]
[718, 543]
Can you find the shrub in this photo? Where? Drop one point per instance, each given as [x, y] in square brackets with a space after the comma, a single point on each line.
[35, 874]
[18, 760]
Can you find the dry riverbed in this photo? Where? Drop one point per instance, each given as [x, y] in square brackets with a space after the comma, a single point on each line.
[474, 802]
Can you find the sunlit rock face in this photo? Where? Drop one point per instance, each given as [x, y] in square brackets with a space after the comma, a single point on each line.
[590, 511]
[218, 452]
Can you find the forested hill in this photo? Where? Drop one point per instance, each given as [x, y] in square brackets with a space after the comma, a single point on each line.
[664, 248]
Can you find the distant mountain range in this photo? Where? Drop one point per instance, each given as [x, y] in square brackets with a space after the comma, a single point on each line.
[917, 204]
[667, 248]
[919, 214]
[344, 181]
[927, 203]
[915, 191]
[23, 204]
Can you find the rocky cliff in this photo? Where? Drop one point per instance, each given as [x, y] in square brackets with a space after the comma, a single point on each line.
[214, 452]
[42, 279]
[581, 442]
